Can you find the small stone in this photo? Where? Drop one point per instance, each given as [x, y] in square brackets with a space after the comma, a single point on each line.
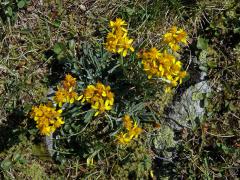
[82, 7]
[30, 8]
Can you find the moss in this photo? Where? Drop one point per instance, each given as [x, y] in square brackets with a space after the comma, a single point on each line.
[164, 140]
[20, 163]
[138, 164]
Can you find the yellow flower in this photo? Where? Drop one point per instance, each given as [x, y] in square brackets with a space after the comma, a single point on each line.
[168, 89]
[135, 131]
[123, 138]
[58, 123]
[168, 37]
[181, 36]
[64, 96]
[174, 46]
[181, 76]
[153, 53]
[99, 96]
[175, 36]
[118, 24]
[111, 42]
[66, 93]
[90, 161]
[124, 45]
[46, 130]
[127, 122]
[162, 65]
[47, 118]
[117, 40]
[173, 30]
[176, 67]
[69, 82]
[174, 83]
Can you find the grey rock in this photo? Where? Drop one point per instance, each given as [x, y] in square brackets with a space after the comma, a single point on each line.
[188, 110]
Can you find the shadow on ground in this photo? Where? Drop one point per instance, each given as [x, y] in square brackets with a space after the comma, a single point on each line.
[10, 130]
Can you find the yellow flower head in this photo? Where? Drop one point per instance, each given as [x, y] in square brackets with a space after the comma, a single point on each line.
[133, 131]
[168, 89]
[175, 47]
[117, 40]
[162, 65]
[181, 36]
[182, 75]
[90, 161]
[47, 118]
[118, 24]
[153, 53]
[124, 45]
[111, 42]
[69, 82]
[175, 36]
[174, 82]
[99, 96]
[66, 93]
[64, 96]
[127, 122]
[123, 138]
[60, 96]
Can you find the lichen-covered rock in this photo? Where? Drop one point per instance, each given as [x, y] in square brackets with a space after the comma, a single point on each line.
[189, 111]
[164, 140]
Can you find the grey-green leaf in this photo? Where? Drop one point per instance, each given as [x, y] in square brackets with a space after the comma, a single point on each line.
[21, 4]
[9, 11]
[202, 43]
[6, 164]
[58, 48]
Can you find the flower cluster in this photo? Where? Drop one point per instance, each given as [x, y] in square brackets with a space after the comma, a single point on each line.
[65, 92]
[162, 65]
[99, 96]
[175, 36]
[117, 40]
[48, 119]
[133, 131]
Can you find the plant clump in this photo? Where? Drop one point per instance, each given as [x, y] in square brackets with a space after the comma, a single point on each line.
[97, 113]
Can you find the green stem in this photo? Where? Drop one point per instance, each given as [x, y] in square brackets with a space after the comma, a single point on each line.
[123, 67]
[121, 61]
